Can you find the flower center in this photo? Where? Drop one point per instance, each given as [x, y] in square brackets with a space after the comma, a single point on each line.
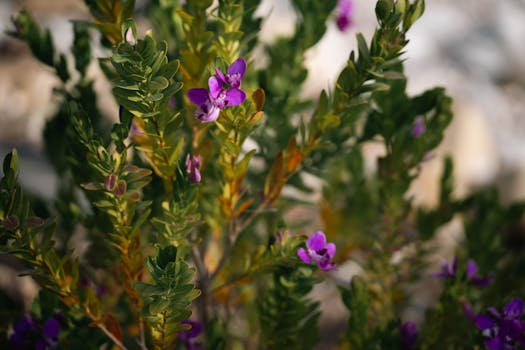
[220, 101]
[234, 79]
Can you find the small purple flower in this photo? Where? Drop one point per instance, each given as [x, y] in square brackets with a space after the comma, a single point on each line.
[409, 333]
[193, 164]
[472, 275]
[22, 333]
[187, 336]
[468, 310]
[319, 251]
[502, 331]
[448, 270]
[217, 97]
[419, 127]
[27, 334]
[344, 12]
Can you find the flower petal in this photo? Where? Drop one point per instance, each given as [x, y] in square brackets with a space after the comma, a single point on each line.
[199, 96]
[513, 309]
[220, 76]
[472, 268]
[326, 265]
[317, 241]
[484, 322]
[207, 114]
[215, 86]
[301, 252]
[494, 343]
[239, 66]
[454, 267]
[330, 249]
[51, 328]
[235, 97]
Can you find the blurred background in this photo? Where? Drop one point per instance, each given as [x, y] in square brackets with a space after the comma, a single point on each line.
[473, 48]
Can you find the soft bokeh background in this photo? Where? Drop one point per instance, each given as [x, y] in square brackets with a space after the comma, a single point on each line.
[474, 48]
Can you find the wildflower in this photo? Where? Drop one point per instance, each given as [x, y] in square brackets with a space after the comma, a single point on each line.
[27, 334]
[319, 251]
[472, 275]
[193, 164]
[50, 332]
[22, 333]
[344, 12]
[448, 270]
[187, 336]
[502, 331]
[419, 127]
[409, 332]
[468, 310]
[217, 97]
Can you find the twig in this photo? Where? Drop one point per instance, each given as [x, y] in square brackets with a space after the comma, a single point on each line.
[204, 282]
[142, 342]
[106, 331]
[234, 232]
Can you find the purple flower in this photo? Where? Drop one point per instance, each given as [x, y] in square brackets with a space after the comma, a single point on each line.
[319, 251]
[217, 97]
[193, 164]
[22, 333]
[448, 270]
[502, 331]
[27, 334]
[187, 336]
[468, 310]
[472, 275]
[409, 332]
[51, 331]
[344, 12]
[419, 127]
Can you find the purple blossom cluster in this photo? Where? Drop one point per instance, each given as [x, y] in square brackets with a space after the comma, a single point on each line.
[449, 270]
[29, 334]
[503, 331]
[223, 91]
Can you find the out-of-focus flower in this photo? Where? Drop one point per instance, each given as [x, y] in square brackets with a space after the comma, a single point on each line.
[419, 127]
[193, 164]
[217, 97]
[187, 337]
[472, 275]
[344, 12]
[448, 270]
[27, 334]
[409, 333]
[468, 310]
[23, 331]
[503, 331]
[319, 251]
